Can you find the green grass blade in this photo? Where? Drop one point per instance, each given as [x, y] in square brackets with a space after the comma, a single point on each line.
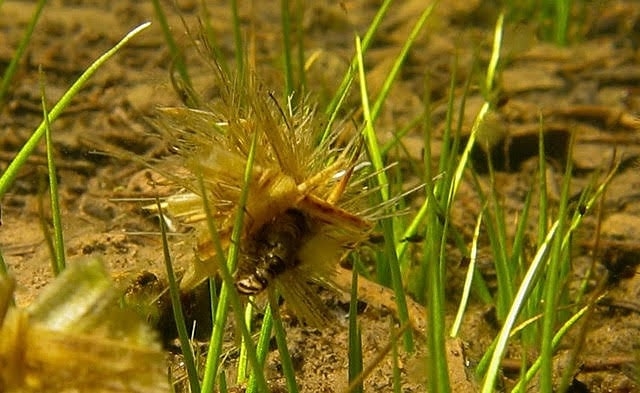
[219, 313]
[302, 82]
[3, 265]
[222, 383]
[281, 340]
[510, 320]
[58, 241]
[466, 291]
[554, 281]
[373, 150]
[286, 48]
[435, 262]
[242, 358]
[517, 248]
[262, 348]
[529, 280]
[395, 69]
[561, 21]
[397, 372]
[11, 69]
[557, 338]
[478, 121]
[12, 170]
[355, 337]
[542, 182]
[177, 57]
[337, 101]
[176, 306]
[495, 55]
[496, 230]
[228, 294]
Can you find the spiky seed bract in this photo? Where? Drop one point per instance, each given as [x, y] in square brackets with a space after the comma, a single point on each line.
[304, 199]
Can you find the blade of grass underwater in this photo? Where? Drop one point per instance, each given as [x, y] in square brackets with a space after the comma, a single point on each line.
[375, 362]
[12, 170]
[3, 265]
[387, 223]
[395, 69]
[434, 261]
[176, 306]
[355, 336]
[334, 106]
[553, 280]
[509, 322]
[528, 282]
[496, 230]
[11, 69]
[44, 221]
[222, 302]
[517, 249]
[491, 70]
[420, 288]
[466, 291]
[561, 21]
[532, 307]
[262, 348]
[281, 340]
[302, 82]
[397, 372]
[431, 284]
[58, 241]
[177, 57]
[286, 48]
[227, 293]
[242, 357]
[557, 338]
[419, 218]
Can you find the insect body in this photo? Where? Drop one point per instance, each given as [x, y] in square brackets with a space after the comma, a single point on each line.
[275, 247]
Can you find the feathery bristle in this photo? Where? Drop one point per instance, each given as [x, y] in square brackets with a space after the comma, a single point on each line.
[303, 198]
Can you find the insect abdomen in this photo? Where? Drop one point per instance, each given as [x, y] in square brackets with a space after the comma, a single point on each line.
[276, 245]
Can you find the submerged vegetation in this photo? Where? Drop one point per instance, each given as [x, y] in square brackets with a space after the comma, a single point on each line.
[279, 190]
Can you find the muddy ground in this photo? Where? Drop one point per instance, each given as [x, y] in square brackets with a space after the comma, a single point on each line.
[590, 88]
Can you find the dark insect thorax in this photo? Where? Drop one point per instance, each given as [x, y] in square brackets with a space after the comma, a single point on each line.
[272, 251]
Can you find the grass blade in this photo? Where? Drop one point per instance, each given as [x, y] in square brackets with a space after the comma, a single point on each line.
[176, 306]
[228, 294]
[466, 292]
[510, 320]
[11, 69]
[177, 56]
[286, 48]
[58, 241]
[395, 69]
[554, 281]
[337, 101]
[262, 348]
[281, 340]
[387, 224]
[21, 158]
[355, 337]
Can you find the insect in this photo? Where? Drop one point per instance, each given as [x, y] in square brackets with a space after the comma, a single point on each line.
[275, 246]
[307, 202]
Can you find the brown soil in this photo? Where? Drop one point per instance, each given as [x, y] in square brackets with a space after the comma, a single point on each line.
[590, 88]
